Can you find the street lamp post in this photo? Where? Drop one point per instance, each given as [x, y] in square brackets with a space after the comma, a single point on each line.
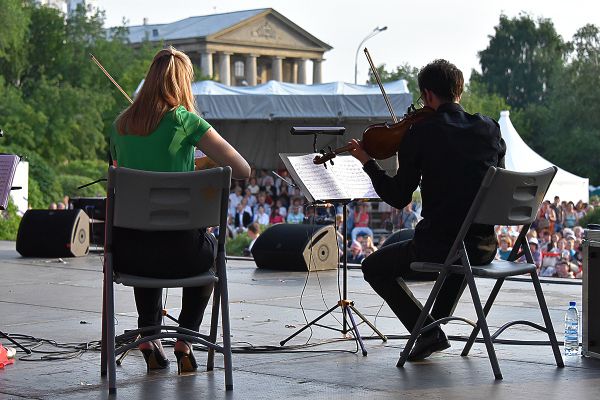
[369, 36]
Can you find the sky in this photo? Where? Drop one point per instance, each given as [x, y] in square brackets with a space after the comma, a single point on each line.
[417, 32]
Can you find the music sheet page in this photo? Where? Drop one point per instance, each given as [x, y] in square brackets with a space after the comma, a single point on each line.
[8, 166]
[345, 180]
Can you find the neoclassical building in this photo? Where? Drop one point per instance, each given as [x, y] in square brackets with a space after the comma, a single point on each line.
[243, 47]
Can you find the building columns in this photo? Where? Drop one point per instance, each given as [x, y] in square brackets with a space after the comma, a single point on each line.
[277, 69]
[317, 72]
[301, 71]
[225, 68]
[250, 69]
[206, 64]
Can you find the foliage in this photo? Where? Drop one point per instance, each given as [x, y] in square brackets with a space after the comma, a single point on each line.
[591, 218]
[236, 246]
[404, 71]
[9, 222]
[70, 183]
[476, 99]
[565, 129]
[44, 187]
[521, 59]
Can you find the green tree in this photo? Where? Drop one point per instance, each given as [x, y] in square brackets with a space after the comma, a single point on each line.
[14, 20]
[404, 71]
[476, 99]
[521, 59]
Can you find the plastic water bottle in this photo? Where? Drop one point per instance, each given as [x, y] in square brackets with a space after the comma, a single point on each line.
[572, 330]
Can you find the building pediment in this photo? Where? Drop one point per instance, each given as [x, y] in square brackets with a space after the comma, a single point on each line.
[269, 29]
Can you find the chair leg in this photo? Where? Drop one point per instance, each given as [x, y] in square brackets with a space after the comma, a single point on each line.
[225, 319]
[214, 322]
[424, 313]
[486, 311]
[482, 323]
[547, 320]
[110, 330]
[103, 340]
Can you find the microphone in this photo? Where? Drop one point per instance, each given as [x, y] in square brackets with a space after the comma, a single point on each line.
[316, 130]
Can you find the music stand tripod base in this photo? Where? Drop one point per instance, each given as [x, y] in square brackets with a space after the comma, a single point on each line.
[346, 305]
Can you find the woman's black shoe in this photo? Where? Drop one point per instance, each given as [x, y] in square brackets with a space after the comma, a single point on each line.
[186, 362]
[155, 358]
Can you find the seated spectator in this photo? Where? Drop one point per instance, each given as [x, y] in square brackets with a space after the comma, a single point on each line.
[545, 239]
[361, 222]
[234, 198]
[295, 216]
[535, 252]
[247, 208]
[578, 232]
[504, 249]
[405, 218]
[283, 196]
[250, 198]
[52, 206]
[282, 209]
[253, 186]
[242, 218]
[262, 201]
[261, 217]
[276, 217]
[60, 206]
[355, 254]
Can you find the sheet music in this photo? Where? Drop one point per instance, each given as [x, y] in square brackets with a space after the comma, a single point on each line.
[357, 183]
[8, 166]
[345, 180]
[319, 182]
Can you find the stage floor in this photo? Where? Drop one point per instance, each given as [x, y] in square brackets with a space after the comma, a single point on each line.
[61, 301]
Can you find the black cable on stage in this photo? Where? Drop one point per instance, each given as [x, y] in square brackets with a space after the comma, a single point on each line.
[68, 351]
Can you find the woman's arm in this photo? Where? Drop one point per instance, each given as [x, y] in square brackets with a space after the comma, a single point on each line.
[221, 152]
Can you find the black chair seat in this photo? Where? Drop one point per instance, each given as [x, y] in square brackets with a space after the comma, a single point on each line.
[496, 269]
[141, 281]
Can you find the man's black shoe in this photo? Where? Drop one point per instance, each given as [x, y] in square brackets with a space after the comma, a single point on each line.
[428, 343]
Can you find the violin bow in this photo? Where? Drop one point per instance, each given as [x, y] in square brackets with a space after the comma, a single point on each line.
[378, 79]
[95, 60]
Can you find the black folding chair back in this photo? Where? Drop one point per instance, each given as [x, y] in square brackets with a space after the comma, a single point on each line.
[504, 198]
[165, 201]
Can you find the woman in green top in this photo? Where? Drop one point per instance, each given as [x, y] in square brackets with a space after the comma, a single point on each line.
[159, 132]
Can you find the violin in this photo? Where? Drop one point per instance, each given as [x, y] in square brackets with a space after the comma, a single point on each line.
[381, 141]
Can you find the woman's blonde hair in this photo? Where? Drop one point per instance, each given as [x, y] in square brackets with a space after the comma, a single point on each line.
[168, 85]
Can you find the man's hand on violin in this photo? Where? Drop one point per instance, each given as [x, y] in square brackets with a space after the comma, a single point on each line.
[358, 152]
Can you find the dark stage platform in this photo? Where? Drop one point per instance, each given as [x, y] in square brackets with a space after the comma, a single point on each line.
[61, 301]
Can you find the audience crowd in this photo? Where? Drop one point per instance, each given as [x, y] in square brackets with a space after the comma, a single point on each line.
[555, 238]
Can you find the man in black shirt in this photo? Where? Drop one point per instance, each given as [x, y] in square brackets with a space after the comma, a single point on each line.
[447, 155]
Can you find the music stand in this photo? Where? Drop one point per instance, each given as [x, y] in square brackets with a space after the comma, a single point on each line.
[7, 187]
[347, 306]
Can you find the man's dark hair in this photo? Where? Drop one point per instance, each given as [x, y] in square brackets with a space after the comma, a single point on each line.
[443, 79]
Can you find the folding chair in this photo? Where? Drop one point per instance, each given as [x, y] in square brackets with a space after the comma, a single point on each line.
[160, 201]
[504, 198]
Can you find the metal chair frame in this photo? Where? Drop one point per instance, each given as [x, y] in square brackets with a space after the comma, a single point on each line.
[504, 198]
[159, 201]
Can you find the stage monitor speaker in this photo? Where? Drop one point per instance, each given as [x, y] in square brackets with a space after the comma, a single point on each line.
[297, 247]
[54, 233]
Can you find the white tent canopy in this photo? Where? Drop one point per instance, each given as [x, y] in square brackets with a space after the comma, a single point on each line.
[520, 157]
[256, 120]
